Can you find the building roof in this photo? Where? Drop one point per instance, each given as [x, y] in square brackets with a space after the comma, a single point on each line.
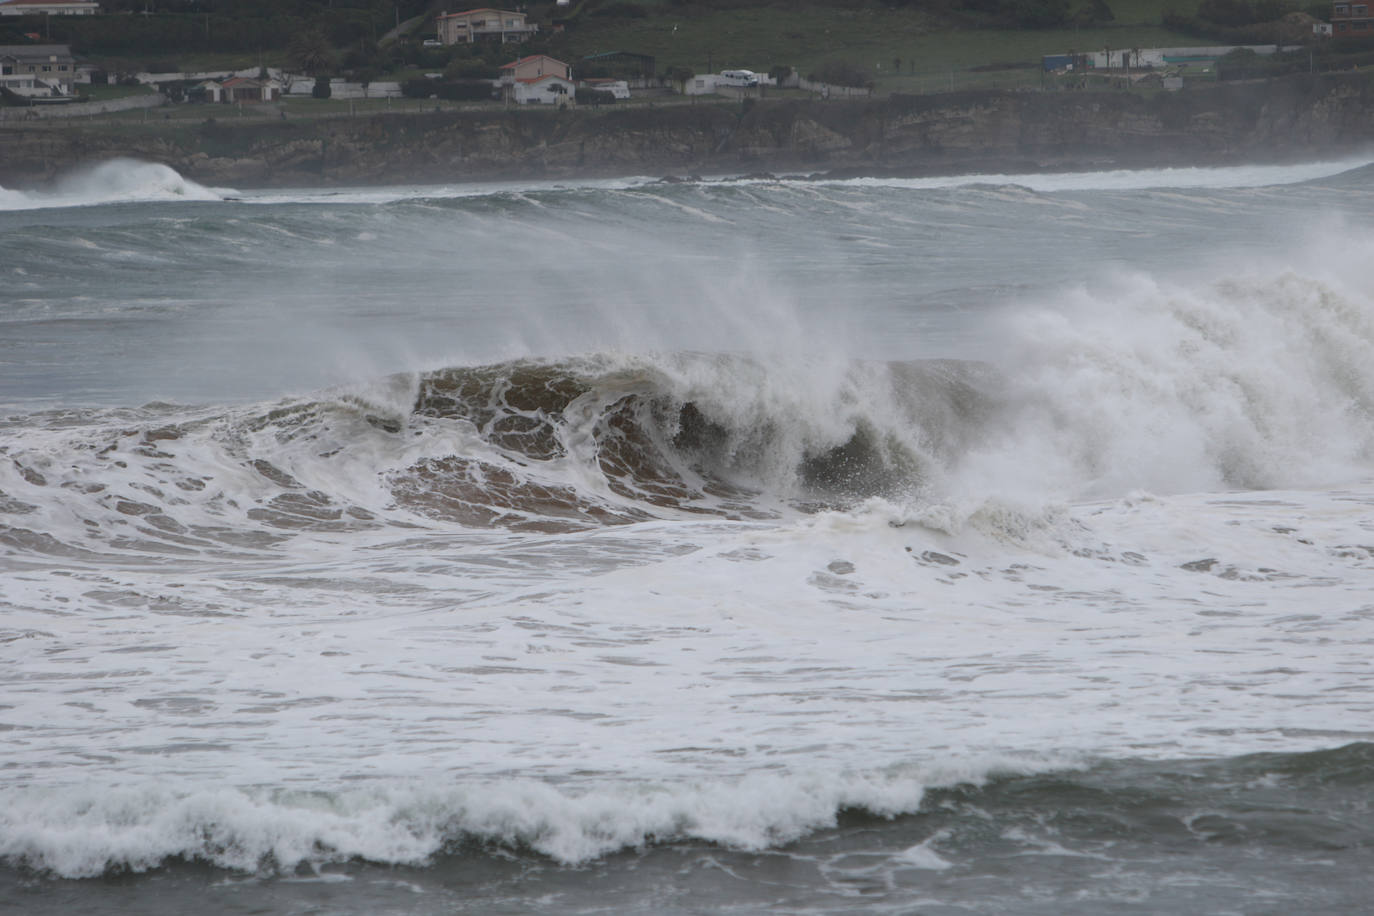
[480, 9]
[516, 63]
[36, 52]
[606, 55]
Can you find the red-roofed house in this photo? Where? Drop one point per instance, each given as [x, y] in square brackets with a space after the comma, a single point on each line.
[49, 7]
[471, 25]
[536, 65]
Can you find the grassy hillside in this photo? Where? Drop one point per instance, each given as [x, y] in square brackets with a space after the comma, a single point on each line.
[924, 41]
[900, 45]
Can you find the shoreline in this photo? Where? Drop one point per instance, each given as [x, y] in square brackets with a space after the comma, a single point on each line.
[1292, 119]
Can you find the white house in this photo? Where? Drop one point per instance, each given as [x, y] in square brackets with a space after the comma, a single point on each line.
[37, 71]
[484, 24]
[48, 7]
[544, 90]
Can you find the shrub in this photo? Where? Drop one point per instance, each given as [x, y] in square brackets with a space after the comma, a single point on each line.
[474, 69]
[842, 73]
[465, 90]
[594, 97]
[620, 10]
[419, 88]
[322, 89]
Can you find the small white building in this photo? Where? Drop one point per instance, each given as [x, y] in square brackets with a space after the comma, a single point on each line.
[544, 90]
[1122, 58]
[735, 82]
[619, 89]
[701, 84]
[242, 89]
[303, 87]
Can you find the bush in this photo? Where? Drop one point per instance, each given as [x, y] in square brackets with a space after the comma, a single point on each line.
[1230, 13]
[465, 90]
[419, 88]
[1039, 14]
[473, 69]
[842, 73]
[594, 97]
[620, 10]
[322, 89]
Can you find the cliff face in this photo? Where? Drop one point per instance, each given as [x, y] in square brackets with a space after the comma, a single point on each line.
[1297, 117]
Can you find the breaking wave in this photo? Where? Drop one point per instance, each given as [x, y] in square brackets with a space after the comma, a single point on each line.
[1252, 385]
[961, 812]
[86, 833]
[110, 182]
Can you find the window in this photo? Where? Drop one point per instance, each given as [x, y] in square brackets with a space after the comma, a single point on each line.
[1342, 9]
[1361, 9]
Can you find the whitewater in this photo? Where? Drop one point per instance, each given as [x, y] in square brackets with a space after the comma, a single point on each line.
[996, 543]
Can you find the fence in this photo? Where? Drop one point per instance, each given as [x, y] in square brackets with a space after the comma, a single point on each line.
[81, 109]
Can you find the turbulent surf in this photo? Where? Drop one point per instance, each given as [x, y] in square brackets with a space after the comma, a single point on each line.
[818, 546]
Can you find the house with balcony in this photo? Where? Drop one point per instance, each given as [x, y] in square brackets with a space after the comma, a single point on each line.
[1351, 19]
[37, 71]
[48, 8]
[484, 25]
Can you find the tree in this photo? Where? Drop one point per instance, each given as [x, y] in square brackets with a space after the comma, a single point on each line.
[310, 51]
[322, 89]
[779, 73]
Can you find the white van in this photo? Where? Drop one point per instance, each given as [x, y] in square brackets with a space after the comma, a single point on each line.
[739, 78]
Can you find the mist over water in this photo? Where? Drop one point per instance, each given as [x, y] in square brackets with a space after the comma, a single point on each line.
[810, 545]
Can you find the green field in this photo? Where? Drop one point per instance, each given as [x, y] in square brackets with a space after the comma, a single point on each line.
[97, 92]
[904, 48]
[871, 36]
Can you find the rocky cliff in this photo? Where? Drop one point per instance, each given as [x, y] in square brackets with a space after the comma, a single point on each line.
[1292, 118]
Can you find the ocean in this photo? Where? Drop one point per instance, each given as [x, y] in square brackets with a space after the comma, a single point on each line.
[996, 544]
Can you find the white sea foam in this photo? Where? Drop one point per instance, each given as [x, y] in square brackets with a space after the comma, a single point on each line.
[1146, 533]
[85, 832]
[1238, 176]
[110, 182]
[395, 193]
